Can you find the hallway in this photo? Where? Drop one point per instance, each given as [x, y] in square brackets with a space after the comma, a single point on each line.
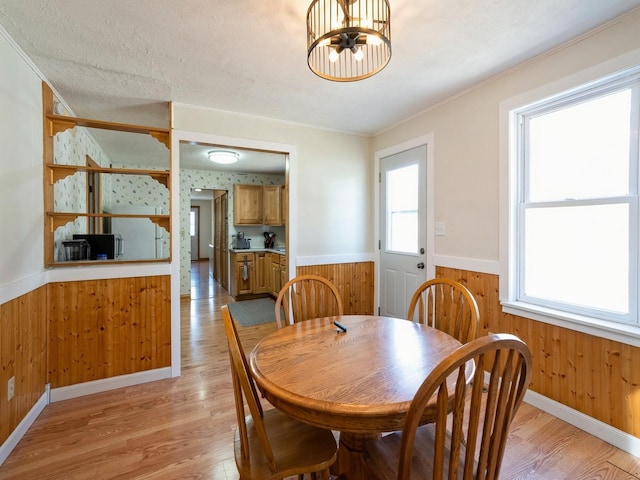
[202, 283]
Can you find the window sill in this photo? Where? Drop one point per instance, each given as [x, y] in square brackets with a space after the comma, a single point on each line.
[619, 332]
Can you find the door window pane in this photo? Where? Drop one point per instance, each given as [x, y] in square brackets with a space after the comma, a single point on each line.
[402, 209]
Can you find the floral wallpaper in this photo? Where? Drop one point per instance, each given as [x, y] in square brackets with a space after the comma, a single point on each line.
[190, 179]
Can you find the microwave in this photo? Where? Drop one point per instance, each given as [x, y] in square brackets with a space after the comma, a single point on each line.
[101, 244]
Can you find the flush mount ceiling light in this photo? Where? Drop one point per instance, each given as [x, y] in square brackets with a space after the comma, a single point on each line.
[223, 156]
[348, 40]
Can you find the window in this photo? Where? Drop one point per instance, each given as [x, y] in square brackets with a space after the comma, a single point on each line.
[402, 209]
[574, 221]
[192, 223]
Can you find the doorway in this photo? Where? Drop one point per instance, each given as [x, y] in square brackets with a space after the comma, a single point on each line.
[197, 171]
[405, 224]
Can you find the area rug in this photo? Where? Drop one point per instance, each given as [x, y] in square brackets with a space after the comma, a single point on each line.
[253, 312]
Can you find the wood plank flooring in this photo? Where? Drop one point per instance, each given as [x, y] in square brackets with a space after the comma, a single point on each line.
[182, 428]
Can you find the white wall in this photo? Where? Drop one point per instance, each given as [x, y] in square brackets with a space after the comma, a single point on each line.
[466, 136]
[334, 177]
[21, 195]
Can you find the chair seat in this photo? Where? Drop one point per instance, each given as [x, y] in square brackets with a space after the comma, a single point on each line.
[290, 440]
[382, 455]
[468, 436]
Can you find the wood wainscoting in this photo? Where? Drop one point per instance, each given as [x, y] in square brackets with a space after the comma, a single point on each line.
[105, 328]
[23, 355]
[355, 282]
[595, 376]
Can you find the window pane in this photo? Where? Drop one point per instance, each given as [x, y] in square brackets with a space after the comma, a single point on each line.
[192, 223]
[402, 209]
[578, 255]
[581, 151]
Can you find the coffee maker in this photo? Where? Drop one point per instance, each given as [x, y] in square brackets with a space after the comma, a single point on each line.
[241, 242]
[76, 249]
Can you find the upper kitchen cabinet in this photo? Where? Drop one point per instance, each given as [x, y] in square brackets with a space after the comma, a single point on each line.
[272, 200]
[106, 189]
[247, 204]
[257, 205]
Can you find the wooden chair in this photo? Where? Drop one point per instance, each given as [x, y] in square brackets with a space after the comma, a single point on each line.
[467, 440]
[446, 305]
[268, 443]
[307, 296]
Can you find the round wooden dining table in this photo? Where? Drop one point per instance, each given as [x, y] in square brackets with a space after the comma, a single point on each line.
[359, 382]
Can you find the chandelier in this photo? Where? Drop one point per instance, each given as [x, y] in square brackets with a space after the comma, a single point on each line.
[348, 40]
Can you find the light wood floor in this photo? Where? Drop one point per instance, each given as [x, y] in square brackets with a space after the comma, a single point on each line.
[182, 428]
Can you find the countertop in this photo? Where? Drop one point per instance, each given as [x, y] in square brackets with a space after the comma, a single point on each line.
[280, 251]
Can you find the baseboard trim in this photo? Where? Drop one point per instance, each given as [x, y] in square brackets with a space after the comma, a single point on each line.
[106, 384]
[603, 431]
[10, 443]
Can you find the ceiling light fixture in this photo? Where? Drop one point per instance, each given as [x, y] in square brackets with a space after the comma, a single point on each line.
[223, 156]
[348, 40]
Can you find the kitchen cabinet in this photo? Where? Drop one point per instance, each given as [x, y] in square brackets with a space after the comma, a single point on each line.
[243, 274]
[272, 205]
[284, 205]
[257, 204]
[277, 273]
[261, 280]
[284, 277]
[266, 272]
[247, 204]
[274, 275]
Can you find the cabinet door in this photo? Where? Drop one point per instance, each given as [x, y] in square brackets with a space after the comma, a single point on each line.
[271, 202]
[274, 275]
[283, 270]
[261, 273]
[244, 280]
[247, 204]
[284, 211]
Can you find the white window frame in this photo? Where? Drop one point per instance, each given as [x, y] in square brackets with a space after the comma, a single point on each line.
[510, 116]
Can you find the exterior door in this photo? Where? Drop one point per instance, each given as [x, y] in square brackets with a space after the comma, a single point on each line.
[403, 206]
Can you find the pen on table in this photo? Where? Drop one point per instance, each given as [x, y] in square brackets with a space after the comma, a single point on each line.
[340, 326]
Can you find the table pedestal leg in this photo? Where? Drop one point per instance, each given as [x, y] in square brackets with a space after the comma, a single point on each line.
[350, 464]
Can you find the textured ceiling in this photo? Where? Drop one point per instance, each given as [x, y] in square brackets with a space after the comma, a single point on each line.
[123, 60]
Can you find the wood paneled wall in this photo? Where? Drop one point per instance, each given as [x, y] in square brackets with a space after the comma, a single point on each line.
[355, 282]
[23, 340]
[104, 328]
[592, 375]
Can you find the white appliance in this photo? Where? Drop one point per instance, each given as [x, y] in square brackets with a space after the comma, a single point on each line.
[142, 239]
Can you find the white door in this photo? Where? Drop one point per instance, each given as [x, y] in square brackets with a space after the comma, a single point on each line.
[403, 207]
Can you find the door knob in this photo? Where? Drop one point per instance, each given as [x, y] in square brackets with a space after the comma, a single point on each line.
[420, 265]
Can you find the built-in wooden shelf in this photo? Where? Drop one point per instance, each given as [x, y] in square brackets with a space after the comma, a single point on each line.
[59, 123]
[59, 171]
[59, 219]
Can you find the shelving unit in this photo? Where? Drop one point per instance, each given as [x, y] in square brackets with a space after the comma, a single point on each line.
[53, 172]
